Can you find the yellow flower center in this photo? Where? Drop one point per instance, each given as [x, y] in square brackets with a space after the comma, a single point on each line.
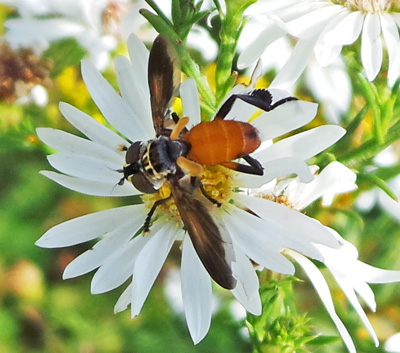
[282, 199]
[113, 15]
[218, 183]
[371, 6]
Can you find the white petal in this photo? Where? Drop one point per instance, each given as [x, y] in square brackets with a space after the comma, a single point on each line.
[332, 86]
[347, 287]
[190, 101]
[259, 243]
[139, 57]
[91, 187]
[371, 46]
[396, 17]
[240, 110]
[134, 91]
[313, 23]
[148, 264]
[334, 179]
[88, 227]
[297, 62]
[392, 344]
[285, 118]
[92, 128]
[391, 35]
[96, 256]
[124, 300]
[196, 292]
[326, 54]
[377, 275]
[346, 31]
[322, 289]
[37, 30]
[86, 167]
[275, 169]
[303, 145]
[118, 267]
[247, 287]
[252, 53]
[65, 142]
[113, 107]
[293, 229]
[199, 38]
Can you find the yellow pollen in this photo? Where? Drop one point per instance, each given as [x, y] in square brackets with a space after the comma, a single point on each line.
[217, 182]
[167, 210]
[370, 6]
[282, 199]
[113, 15]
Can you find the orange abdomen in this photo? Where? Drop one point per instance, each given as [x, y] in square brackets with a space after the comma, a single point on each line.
[220, 141]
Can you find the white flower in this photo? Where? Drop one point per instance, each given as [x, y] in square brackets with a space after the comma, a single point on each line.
[392, 344]
[334, 179]
[351, 275]
[330, 85]
[90, 22]
[92, 166]
[326, 26]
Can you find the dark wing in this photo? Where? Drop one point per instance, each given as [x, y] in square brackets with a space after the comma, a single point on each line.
[164, 79]
[205, 235]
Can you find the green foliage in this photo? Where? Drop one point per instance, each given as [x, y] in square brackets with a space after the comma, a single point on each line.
[279, 328]
[64, 53]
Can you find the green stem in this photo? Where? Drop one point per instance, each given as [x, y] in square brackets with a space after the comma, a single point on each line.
[191, 69]
[371, 148]
[226, 55]
[231, 26]
[371, 96]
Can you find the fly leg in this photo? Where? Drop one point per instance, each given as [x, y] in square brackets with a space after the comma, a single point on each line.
[146, 225]
[198, 184]
[254, 166]
[260, 98]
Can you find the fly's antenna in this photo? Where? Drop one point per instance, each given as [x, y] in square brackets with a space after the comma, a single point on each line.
[120, 182]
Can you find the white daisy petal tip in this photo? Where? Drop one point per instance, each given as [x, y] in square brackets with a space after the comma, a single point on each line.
[148, 265]
[196, 292]
[392, 344]
[42, 242]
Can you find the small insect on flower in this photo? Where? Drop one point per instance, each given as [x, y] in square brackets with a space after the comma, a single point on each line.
[179, 152]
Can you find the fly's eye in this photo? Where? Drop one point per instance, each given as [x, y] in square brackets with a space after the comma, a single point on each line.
[133, 153]
[141, 183]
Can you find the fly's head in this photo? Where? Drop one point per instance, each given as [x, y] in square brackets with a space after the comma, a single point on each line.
[136, 169]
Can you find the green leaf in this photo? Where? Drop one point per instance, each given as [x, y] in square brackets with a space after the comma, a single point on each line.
[158, 11]
[371, 148]
[387, 173]
[159, 24]
[64, 53]
[388, 108]
[377, 181]
[372, 97]
[184, 15]
[324, 340]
